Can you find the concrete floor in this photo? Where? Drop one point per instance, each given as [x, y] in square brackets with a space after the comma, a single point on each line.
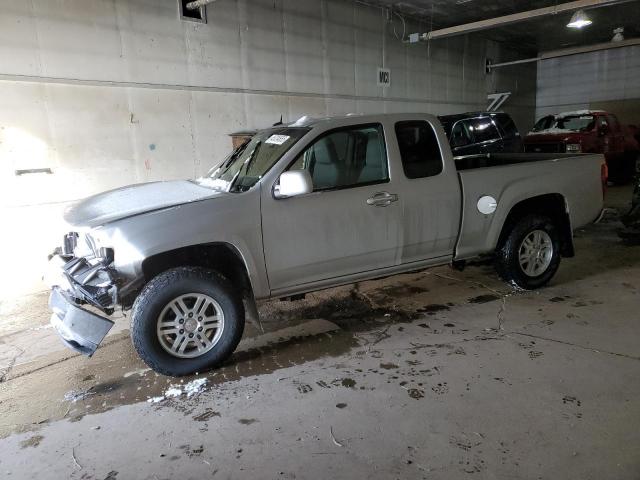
[438, 374]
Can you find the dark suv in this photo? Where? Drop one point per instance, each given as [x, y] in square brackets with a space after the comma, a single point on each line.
[481, 132]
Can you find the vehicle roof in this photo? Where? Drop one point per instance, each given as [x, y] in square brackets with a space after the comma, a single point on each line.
[575, 113]
[309, 121]
[459, 116]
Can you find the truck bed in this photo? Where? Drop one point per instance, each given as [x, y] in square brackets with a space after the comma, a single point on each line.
[469, 162]
[512, 178]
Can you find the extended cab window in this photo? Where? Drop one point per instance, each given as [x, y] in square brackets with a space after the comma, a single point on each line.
[421, 156]
[347, 157]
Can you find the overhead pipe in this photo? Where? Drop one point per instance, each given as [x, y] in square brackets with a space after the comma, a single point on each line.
[517, 17]
[566, 52]
[198, 4]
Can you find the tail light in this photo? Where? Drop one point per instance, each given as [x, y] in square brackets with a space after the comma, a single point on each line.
[604, 175]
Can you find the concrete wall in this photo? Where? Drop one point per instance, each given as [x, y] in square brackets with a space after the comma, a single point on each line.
[607, 78]
[112, 92]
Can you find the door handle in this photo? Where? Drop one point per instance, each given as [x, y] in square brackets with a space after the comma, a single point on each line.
[382, 199]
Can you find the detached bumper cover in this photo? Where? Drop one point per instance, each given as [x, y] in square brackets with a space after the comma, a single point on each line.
[79, 329]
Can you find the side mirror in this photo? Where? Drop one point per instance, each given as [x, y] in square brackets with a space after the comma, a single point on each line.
[293, 184]
[603, 130]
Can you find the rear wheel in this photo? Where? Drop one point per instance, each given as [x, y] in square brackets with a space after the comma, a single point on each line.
[530, 255]
[186, 320]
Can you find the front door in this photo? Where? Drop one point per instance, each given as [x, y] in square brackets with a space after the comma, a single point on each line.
[351, 223]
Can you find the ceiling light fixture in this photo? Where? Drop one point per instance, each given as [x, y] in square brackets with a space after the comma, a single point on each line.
[579, 20]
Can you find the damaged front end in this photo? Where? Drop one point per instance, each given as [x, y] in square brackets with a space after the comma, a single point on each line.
[82, 274]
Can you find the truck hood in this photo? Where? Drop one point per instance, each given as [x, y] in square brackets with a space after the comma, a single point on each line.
[554, 136]
[133, 200]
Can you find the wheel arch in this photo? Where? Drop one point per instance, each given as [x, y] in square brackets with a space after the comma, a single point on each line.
[553, 205]
[222, 257]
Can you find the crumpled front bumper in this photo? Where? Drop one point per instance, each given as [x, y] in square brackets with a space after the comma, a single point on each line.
[79, 329]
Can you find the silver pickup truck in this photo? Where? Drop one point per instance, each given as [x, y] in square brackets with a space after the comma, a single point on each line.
[302, 207]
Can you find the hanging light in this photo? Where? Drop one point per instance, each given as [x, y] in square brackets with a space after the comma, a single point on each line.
[579, 19]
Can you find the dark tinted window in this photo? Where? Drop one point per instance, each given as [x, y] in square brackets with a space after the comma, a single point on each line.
[460, 134]
[346, 158]
[506, 124]
[419, 149]
[483, 130]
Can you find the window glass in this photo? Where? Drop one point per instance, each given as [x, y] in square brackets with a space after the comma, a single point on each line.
[460, 135]
[247, 164]
[506, 123]
[419, 149]
[346, 158]
[577, 123]
[544, 123]
[483, 130]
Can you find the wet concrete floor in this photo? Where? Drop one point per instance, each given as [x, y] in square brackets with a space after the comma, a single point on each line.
[436, 374]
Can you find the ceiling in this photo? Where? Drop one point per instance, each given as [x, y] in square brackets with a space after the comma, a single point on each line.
[532, 36]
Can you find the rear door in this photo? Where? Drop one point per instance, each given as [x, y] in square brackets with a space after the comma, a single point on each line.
[350, 224]
[462, 142]
[431, 198]
[512, 143]
[486, 135]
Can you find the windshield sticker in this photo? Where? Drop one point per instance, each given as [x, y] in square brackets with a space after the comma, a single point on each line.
[277, 139]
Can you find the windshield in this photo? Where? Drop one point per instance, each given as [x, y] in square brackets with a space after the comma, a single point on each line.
[246, 165]
[575, 123]
[544, 123]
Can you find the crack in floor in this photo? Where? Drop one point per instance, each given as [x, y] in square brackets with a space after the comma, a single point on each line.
[503, 296]
[11, 363]
[564, 342]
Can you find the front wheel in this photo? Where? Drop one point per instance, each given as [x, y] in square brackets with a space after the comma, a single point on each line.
[530, 255]
[186, 320]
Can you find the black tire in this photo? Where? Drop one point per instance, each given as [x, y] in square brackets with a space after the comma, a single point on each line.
[162, 290]
[507, 255]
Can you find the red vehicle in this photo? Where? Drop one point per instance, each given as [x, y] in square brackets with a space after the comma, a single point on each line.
[587, 131]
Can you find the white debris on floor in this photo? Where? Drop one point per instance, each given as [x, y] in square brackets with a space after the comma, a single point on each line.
[189, 389]
[195, 387]
[76, 395]
[139, 372]
[173, 392]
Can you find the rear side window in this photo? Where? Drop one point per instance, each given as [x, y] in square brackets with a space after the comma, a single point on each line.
[346, 158]
[507, 125]
[460, 135]
[419, 149]
[483, 130]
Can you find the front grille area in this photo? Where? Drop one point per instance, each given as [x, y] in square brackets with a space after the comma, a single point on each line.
[554, 147]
